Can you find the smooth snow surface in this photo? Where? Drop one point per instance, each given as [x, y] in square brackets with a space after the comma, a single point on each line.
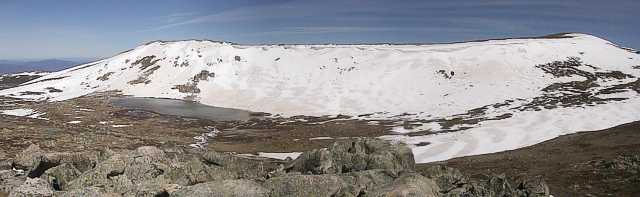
[524, 129]
[29, 113]
[18, 112]
[400, 82]
[280, 156]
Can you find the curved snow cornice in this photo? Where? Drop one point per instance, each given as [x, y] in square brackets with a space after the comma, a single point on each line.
[550, 36]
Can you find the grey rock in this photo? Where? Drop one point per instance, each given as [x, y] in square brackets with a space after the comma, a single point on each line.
[153, 188]
[32, 160]
[235, 167]
[359, 155]
[82, 161]
[498, 185]
[9, 180]
[87, 191]
[409, 184]
[58, 177]
[309, 185]
[367, 181]
[35, 161]
[447, 178]
[108, 174]
[224, 188]
[532, 187]
[190, 172]
[33, 187]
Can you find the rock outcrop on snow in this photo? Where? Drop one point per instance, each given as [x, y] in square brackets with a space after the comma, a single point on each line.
[359, 167]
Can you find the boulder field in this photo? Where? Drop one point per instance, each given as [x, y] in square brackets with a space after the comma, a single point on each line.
[357, 167]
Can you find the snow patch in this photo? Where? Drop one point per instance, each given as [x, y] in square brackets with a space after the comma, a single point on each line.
[321, 138]
[522, 130]
[280, 156]
[29, 113]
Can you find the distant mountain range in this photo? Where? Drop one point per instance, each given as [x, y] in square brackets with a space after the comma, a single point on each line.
[46, 65]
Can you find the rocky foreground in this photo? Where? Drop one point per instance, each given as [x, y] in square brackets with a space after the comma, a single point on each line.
[361, 167]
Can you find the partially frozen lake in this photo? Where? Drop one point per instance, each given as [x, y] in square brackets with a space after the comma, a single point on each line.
[183, 108]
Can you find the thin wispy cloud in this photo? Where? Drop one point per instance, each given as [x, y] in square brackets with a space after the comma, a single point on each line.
[250, 13]
[352, 29]
[176, 17]
[108, 27]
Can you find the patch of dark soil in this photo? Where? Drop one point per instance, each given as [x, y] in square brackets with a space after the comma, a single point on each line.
[50, 79]
[581, 164]
[105, 76]
[53, 90]
[9, 81]
[192, 86]
[83, 67]
[635, 86]
[565, 68]
[203, 76]
[145, 62]
[31, 93]
[187, 88]
[445, 74]
[143, 78]
[576, 93]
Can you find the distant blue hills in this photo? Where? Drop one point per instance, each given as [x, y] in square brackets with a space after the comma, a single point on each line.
[46, 65]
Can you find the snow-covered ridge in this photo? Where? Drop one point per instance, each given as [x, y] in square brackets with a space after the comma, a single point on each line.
[441, 79]
[496, 94]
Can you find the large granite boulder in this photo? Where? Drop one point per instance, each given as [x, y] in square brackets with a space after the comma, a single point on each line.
[33, 187]
[224, 188]
[409, 184]
[357, 155]
[60, 176]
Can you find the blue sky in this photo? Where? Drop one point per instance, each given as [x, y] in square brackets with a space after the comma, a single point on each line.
[34, 29]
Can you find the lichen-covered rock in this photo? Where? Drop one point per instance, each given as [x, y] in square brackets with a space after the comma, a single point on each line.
[82, 161]
[358, 155]
[224, 188]
[309, 185]
[409, 184]
[32, 160]
[153, 188]
[58, 177]
[10, 179]
[225, 166]
[367, 181]
[447, 178]
[105, 174]
[35, 161]
[190, 172]
[532, 187]
[87, 191]
[498, 185]
[33, 187]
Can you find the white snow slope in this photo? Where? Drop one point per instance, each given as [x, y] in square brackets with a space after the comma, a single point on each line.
[420, 81]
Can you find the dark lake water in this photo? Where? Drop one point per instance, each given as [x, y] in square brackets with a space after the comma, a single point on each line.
[183, 108]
